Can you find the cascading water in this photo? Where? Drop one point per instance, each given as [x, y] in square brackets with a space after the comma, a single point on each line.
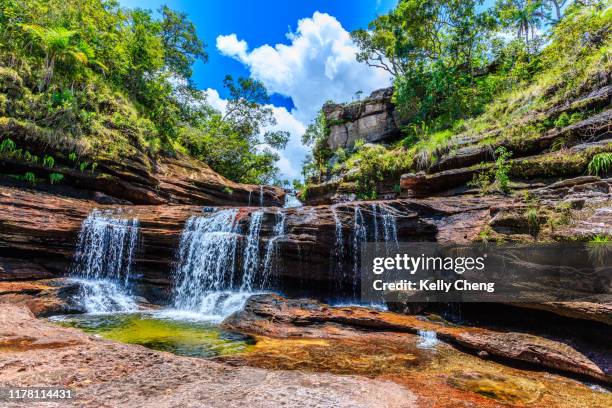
[360, 235]
[206, 279]
[251, 252]
[427, 339]
[207, 261]
[261, 196]
[389, 227]
[271, 248]
[103, 262]
[338, 255]
[291, 201]
[382, 228]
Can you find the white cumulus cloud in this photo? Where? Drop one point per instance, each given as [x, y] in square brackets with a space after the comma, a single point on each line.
[318, 64]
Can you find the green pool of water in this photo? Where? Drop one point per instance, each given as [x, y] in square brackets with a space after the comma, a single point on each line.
[182, 337]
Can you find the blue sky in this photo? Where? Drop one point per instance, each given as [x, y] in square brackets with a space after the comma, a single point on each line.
[257, 22]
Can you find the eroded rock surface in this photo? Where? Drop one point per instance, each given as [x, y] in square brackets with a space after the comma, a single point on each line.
[373, 120]
[105, 373]
[275, 316]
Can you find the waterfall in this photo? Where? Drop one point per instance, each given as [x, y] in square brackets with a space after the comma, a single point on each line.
[375, 219]
[360, 235]
[338, 254]
[291, 201]
[277, 232]
[389, 227]
[379, 227]
[261, 196]
[103, 262]
[207, 259]
[427, 339]
[251, 252]
[206, 279]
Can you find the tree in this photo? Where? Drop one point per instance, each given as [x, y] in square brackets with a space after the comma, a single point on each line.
[60, 44]
[316, 136]
[435, 50]
[239, 142]
[180, 41]
[525, 16]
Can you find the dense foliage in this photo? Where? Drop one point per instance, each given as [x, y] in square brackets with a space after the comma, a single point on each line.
[109, 80]
[459, 68]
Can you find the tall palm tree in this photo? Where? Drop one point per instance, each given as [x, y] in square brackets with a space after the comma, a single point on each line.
[527, 18]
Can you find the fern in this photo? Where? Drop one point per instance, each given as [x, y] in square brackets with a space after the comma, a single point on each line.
[49, 161]
[7, 146]
[600, 163]
[30, 177]
[55, 177]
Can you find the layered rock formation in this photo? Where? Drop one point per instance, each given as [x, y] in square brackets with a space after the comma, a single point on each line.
[134, 178]
[274, 316]
[373, 119]
[541, 156]
[40, 231]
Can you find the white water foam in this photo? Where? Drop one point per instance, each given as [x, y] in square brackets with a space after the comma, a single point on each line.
[214, 307]
[207, 285]
[251, 253]
[271, 248]
[104, 296]
[291, 201]
[103, 261]
[427, 339]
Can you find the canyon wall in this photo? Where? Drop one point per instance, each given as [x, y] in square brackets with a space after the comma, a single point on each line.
[372, 120]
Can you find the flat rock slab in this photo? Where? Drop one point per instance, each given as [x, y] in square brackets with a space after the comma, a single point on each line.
[275, 316]
[108, 374]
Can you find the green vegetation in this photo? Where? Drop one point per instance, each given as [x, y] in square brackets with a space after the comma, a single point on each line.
[460, 72]
[599, 249]
[600, 239]
[502, 168]
[85, 80]
[7, 146]
[533, 220]
[55, 178]
[48, 161]
[317, 164]
[497, 178]
[601, 163]
[30, 177]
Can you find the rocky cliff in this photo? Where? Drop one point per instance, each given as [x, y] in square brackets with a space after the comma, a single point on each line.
[544, 146]
[136, 178]
[373, 119]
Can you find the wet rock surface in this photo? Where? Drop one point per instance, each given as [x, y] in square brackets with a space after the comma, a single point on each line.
[307, 335]
[271, 315]
[105, 373]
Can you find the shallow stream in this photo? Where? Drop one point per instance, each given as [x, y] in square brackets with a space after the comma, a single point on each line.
[181, 336]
